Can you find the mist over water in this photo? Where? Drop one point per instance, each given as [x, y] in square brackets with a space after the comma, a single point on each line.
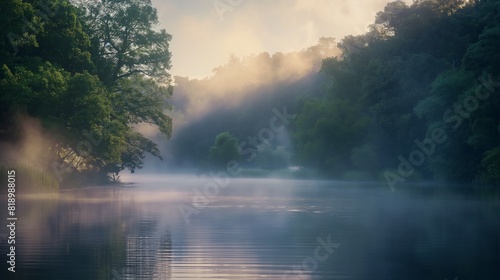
[324, 162]
[240, 97]
[256, 228]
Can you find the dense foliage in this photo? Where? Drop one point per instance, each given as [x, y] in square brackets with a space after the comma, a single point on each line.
[88, 74]
[415, 97]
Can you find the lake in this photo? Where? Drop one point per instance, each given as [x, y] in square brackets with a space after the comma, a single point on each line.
[165, 227]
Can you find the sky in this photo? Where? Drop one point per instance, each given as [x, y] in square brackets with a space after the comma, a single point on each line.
[206, 32]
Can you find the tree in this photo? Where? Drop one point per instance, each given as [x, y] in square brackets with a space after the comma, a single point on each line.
[224, 149]
[18, 17]
[124, 40]
[63, 40]
[132, 61]
[482, 56]
[58, 74]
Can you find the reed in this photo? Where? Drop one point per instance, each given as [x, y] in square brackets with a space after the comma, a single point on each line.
[29, 178]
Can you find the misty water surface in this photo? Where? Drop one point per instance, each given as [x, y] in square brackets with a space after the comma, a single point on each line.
[256, 229]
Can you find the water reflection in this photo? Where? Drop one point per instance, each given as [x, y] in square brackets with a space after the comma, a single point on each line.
[148, 253]
[91, 234]
[256, 229]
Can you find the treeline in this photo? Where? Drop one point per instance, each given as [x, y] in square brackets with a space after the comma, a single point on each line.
[87, 74]
[416, 97]
[227, 116]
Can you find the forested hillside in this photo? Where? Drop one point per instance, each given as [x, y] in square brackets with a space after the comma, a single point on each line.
[416, 97]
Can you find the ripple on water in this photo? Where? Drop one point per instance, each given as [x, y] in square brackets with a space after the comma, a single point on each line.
[253, 232]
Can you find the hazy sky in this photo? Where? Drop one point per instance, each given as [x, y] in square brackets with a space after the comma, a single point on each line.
[203, 38]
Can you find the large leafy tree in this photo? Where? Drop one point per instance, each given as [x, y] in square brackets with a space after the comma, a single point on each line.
[88, 96]
[124, 39]
[132, 60]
